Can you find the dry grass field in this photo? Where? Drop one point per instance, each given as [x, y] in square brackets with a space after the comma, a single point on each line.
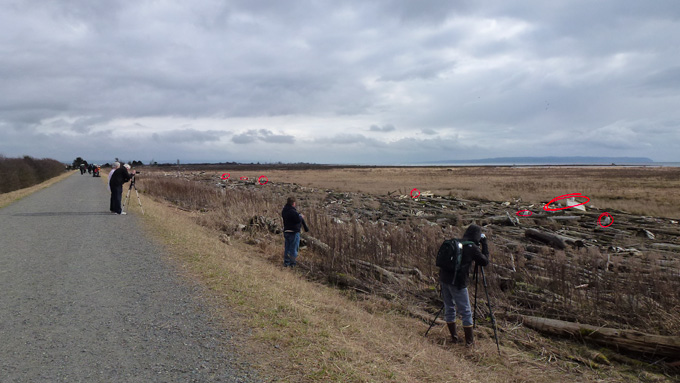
[376, 243]
[648, 191]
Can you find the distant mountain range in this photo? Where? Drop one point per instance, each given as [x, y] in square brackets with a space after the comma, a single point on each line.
[552, 161]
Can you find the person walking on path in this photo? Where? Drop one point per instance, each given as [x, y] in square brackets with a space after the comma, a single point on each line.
[454, 285]
[292, 221]
[118, 178]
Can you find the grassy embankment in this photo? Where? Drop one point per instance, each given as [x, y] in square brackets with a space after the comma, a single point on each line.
[20, 173]
[304, 331]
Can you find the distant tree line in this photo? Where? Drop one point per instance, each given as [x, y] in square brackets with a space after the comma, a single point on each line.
[19, 173]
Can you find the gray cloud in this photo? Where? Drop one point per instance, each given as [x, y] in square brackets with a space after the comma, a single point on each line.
[383, 129]
[349, 139]
[262, 135]
[492, 73]
[188, 136]
[419, 71]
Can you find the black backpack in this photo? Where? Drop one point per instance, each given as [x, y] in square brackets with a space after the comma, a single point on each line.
[450, 254]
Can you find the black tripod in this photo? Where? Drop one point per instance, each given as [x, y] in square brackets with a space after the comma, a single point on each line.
[488, 302]
[127, 197]
[435, 319]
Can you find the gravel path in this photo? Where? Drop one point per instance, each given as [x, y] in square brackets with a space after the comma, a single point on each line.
[84, 296]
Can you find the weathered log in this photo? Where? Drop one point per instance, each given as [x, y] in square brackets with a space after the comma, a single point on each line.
[667, 232]
[645, 234]
[348, 281]
[388, 275]
[406, 270]
[565, 218]
[611, 230]
[501, 220]
[321, 247]
[629, 340]
[549, 239]
[666, 246]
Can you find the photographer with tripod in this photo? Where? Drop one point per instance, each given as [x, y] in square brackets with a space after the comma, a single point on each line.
[118, 178]
[454, 283]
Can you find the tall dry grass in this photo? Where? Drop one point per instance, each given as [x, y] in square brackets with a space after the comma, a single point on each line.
[297, 331]
[646, 297]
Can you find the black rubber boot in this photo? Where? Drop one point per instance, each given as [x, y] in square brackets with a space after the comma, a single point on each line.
[469, 338]
[452, 330]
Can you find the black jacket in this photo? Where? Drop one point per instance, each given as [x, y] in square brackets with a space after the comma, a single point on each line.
[291, 219]
[471, 252]
[119, 177]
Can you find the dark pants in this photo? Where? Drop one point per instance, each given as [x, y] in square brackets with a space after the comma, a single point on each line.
[116, 198]
[290, 253]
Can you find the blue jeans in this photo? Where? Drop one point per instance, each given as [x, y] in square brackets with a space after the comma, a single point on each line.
[291, 251]
[455, 299]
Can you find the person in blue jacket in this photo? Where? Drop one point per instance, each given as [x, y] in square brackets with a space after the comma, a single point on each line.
[292, 221]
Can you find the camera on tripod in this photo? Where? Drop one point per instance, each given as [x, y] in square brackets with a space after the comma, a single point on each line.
[133, 185]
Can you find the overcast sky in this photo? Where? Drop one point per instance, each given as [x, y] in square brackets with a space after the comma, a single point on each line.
[373, 82]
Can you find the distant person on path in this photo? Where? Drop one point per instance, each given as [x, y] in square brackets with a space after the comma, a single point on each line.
[455, 292]
[292, 221]
[82, 169]
[118, 178]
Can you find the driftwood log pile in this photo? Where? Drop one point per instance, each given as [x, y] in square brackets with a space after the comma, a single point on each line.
[550, 267]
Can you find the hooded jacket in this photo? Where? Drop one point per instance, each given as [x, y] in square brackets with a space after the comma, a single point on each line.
[471, 252]
[291, 219]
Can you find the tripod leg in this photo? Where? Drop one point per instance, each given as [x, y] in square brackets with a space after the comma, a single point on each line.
[493, 318]
[434, 320]
[474, 312]
[125, 202]
[139, 200]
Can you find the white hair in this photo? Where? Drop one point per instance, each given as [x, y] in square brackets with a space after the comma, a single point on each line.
[127, 166]
[116, 165]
